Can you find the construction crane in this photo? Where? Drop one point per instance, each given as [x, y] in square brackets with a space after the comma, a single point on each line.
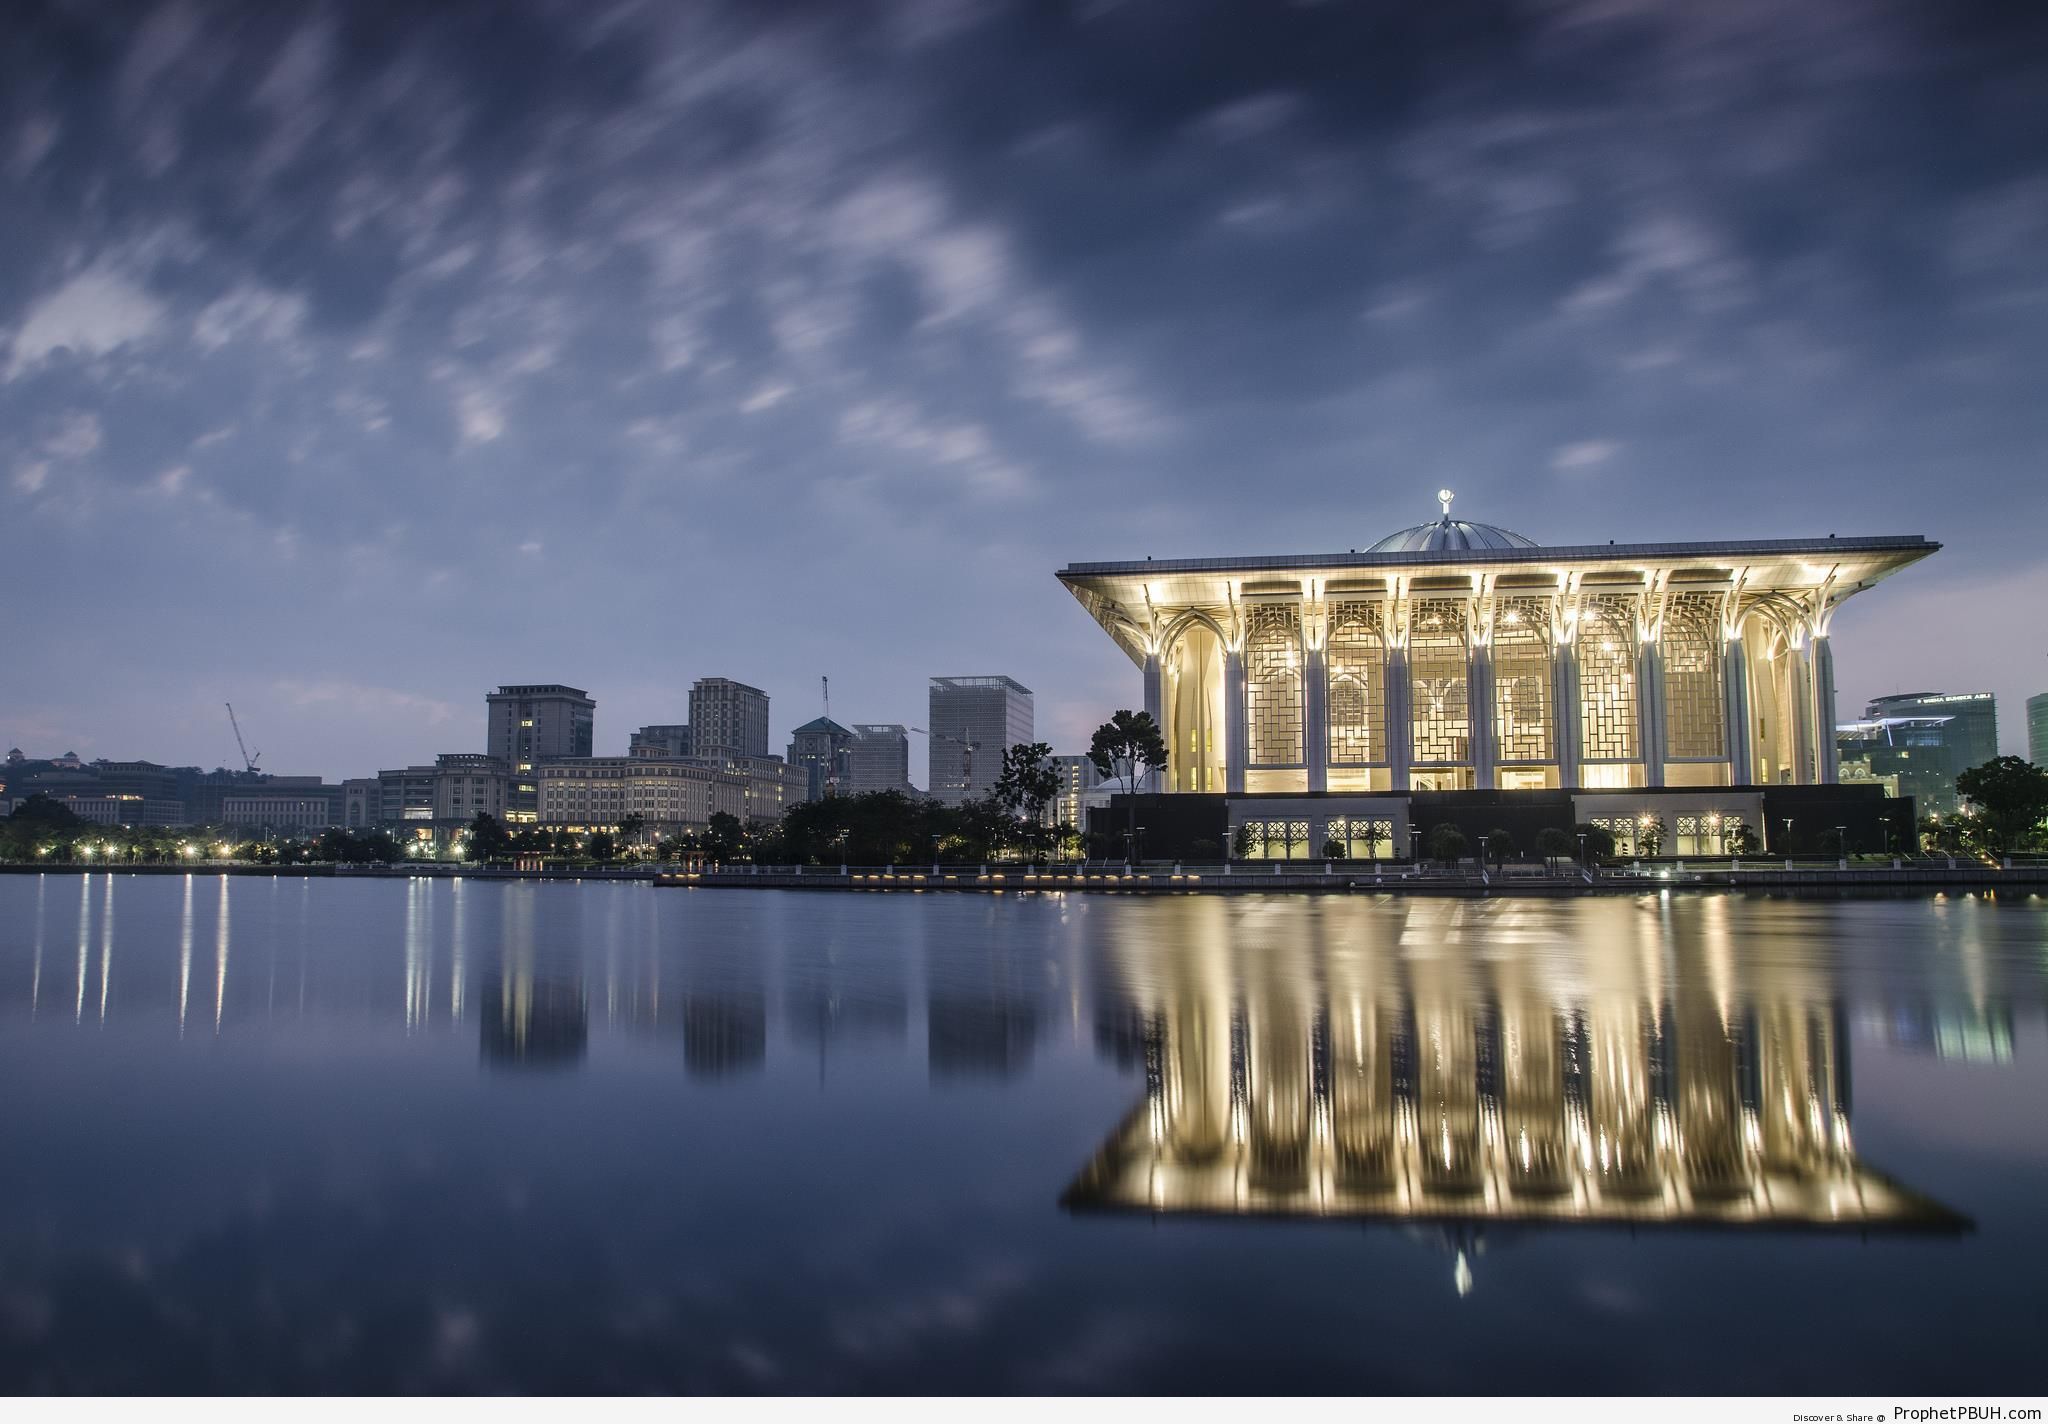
[248, 761]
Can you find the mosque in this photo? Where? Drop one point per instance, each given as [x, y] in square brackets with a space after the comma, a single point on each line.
[1348, 697]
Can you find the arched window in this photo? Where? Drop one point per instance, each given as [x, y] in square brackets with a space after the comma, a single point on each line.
[1355, 663]
[1193, 677]
[1272, 684]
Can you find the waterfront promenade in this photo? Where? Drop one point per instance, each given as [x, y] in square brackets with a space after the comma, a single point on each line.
[1926, 876]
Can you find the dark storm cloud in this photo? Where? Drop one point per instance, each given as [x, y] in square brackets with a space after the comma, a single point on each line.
[355, 357]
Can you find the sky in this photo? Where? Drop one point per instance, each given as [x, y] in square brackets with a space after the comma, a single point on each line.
[356, 358]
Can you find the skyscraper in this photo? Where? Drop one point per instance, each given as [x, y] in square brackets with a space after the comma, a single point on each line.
[533, 722]
[878, 759]
[1919, 742]
[2037, 729]
[727, 718]
[971, 722]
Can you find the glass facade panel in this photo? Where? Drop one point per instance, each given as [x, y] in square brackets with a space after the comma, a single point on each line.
[1194, 678]
[1607, 680]
[1437, 655]
[1356, 666]
[1521, 680]
[1272, 684]
[1692, 678]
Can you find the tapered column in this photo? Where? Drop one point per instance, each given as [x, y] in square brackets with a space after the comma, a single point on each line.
[1735, 696]
[1479, 714]
[1650, 711]
[1827, 760]
[1315, 721]
[1155, 708]
[1564, 687]
[1235, 751]
[1400, 724]
[1799, 702]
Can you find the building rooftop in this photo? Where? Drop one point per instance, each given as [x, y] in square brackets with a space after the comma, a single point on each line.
[1447, 533]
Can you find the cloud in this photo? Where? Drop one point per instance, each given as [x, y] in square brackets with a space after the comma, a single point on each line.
[78, 434]
[96, 312]
[365, 699]
[1582, 455]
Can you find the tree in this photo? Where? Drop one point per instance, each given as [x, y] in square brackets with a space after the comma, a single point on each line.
[724, 837]
[2010, 793]
[488, 838]
[1124, 749]
[1500, 845]
[1372, 833]
[1554, 843]
[1027, 783]
[1740, 839]
[632, 826]
[1333, 849]
[1243, 841]
[1650, 835]
[1447, 843]
[1599, 840]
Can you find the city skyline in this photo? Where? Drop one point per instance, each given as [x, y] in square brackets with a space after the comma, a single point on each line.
[890, 311]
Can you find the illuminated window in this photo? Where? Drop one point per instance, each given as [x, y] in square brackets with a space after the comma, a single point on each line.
[1521, 680]
[1272, 684]
[1363, 837]
[1607, 679]
[1356, 668]
[1442, 722]
[1692, 678]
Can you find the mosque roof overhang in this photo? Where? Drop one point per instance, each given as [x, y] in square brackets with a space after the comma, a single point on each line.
[1130, 592]
[1133, 1173]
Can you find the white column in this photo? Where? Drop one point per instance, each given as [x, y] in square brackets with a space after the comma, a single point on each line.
[1827, 759]
[1799, 701]
[1155, 708]
[1400, 724]
[1650, 711]
[1315, 732]
[1235, 751]
[1735, 716]
[1479, 714]
[1564, 691]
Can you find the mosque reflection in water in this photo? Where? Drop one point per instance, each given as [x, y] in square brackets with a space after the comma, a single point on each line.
[1429, 1082]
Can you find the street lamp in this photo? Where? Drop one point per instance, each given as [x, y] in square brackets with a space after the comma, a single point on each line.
[1842, 841]
[1582, 850]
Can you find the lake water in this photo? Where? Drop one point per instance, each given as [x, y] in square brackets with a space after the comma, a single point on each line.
[291, 1135]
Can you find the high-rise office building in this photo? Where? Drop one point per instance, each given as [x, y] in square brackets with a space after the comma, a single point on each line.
[878, 759]
[1917, 743]
[971, 722]
[531, 723]
[2037, 729]
[818, 748]
[727, 718]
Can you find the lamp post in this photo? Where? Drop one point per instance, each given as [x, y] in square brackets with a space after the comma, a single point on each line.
[1582, 850]
[1842, 843]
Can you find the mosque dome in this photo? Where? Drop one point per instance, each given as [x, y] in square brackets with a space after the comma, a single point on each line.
[1448, 535]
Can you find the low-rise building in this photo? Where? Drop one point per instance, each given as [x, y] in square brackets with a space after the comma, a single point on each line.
[669, 794]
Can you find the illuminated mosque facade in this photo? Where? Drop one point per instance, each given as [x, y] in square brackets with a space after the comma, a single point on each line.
[1456, 657]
